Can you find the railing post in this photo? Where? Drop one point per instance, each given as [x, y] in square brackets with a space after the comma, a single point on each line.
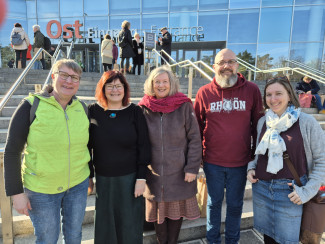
[190, 82]
[249, 75]
[6, 212]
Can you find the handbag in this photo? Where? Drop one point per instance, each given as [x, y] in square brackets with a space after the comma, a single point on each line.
[313, 216]
[305, 100]
[202, 195]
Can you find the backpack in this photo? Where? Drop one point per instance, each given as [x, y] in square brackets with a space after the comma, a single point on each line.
[121, 40]
[47, 43]
[16, 39]
[33, 109]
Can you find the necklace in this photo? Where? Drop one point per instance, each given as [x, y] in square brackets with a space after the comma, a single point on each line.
[112, 115]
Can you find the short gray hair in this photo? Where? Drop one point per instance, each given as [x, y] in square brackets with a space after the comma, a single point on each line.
[174, 83]
[37, 27]
[69, 63]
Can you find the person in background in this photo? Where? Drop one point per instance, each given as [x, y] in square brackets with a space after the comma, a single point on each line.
[284, 130]
[107, 52]
[138, 50]
[125, 43]
[38, 43]
[29, 55]
[228, 110]
[52, 181]
[11, 63]
[20, 50]
[120, 148]
[115, 53]
[310, 86]
[166, 44]
[176, 155]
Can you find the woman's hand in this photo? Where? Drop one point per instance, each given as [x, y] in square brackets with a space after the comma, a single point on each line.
[139, 188]
[90, 186]
[251, 176]
[21, 203]
[189, 177]
[293, 196]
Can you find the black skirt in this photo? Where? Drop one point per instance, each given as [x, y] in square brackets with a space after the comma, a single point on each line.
[119, 215]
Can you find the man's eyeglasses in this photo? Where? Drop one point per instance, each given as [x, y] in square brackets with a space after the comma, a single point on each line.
[111, 87]
[63, 75]
[230, 62]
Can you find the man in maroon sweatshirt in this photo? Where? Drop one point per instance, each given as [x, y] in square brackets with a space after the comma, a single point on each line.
[227, 110]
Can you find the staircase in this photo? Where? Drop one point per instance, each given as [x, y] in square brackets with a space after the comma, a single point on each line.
[191, 230]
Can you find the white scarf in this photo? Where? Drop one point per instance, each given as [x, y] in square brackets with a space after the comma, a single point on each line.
[272, 139]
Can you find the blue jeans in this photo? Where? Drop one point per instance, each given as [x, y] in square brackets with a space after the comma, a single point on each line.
[234, 180]
[319, 104]
[37, 64]
[45, 214]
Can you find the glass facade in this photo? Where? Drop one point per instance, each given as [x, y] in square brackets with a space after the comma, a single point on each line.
[270, 31]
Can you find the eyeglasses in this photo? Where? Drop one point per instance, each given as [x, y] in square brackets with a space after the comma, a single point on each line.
[111, 87]
[230, 62]
[63, 75]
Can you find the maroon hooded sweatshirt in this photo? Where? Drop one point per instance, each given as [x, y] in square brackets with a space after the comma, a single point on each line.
[228, 118]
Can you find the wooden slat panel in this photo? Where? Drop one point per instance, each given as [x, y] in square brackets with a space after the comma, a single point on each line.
[6, 212]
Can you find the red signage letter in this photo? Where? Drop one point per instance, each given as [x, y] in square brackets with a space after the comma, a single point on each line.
[48, 29]
[69, 32]
[76, 26]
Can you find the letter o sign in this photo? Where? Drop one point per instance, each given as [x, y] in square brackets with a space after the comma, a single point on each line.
[48, 29]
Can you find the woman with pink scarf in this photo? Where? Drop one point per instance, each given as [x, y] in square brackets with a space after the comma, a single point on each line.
[176, 155]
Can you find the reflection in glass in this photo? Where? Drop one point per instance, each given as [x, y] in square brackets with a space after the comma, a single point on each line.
[43, 23]
[183, 5]
[308, 53]
[153, 22]
[99, 7]
[213, 4]
[309, 23]
[244, 4]
[97, 26]
[180, 24]
[16, 9]
[300, 2]
[31, 8]
[48, 9]
[71, 8]
[149, 6]
[211, 30]
[207, 56]
[275, 24]
[271, 3]
[243, 25]
[124, 7]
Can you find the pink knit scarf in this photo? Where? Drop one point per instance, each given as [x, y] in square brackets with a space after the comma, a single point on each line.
[164, 105]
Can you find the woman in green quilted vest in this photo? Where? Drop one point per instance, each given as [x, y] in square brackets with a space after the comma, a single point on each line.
[52, 180]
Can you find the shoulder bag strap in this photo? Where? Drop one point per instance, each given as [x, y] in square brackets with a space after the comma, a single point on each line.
[291, 168]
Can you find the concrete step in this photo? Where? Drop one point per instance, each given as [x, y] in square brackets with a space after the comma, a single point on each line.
[191, 229]
[4, 122]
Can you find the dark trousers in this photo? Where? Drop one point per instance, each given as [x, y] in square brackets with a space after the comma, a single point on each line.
[127, 63]
[107, 67]
[23, 57]
[165, 57]
[168, 231]
[134, 67]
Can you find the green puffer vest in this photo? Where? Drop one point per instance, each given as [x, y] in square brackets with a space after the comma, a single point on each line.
[56, 155]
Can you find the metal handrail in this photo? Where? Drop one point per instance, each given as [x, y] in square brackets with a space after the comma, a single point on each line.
[190, 63]
[14, 87]
[305, 66]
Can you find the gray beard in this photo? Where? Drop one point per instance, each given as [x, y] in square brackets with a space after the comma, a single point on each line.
[225, 82]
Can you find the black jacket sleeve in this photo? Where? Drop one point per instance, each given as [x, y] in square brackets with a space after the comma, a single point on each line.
[314, 87]
[17, 137]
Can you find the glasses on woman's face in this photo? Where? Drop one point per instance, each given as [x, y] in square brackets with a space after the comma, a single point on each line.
[64, 76]
[111, 87]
